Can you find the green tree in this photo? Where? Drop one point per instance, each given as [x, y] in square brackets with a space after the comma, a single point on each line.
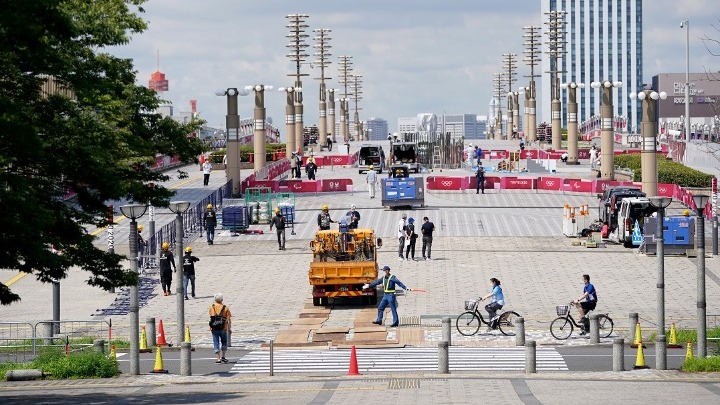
[95, 135]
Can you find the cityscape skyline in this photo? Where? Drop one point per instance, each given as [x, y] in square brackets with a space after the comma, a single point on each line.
[415, 56]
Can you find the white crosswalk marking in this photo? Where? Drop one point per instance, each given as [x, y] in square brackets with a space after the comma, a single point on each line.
[392, 360]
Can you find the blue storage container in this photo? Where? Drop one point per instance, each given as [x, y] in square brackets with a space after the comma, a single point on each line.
[235, 217]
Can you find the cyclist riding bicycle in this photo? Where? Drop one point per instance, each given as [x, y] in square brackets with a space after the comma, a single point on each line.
[498, 300]
[589, 295]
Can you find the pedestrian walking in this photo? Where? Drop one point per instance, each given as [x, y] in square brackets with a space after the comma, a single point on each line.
[324, 219]
[427, 230]
[401, 235]
[210, 223]
[220, 324]
[298, 165]
[167, 267]
[278, 221]
[311, 168]
[410, 238]
[141, 245]
[382, 159]
[480, 180]
[189, 271]
[478, 155]
[207, 168]
[329, 143]
[353, 217]
[593, 156]
[371, 179]
[389, 283]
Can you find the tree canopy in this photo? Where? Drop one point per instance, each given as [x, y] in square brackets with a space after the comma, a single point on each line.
[95, 134]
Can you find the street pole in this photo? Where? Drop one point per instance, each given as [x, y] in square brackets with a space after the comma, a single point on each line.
[686, 24]
[607, 134]
[232, 125]
[259, 127]
[572, 119]
[134, 304]
[700, 201]
[289, 124]
[660, 349]
[180, 289]
[331, 114]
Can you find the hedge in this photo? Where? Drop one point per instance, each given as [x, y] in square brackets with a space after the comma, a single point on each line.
[669, 171]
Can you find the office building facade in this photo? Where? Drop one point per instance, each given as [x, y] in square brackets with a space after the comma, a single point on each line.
[378, 129]
[603, 42]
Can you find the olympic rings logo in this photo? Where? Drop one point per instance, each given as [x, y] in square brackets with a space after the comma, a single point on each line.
[447, 183]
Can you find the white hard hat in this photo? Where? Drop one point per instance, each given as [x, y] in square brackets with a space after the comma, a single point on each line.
[352, 207]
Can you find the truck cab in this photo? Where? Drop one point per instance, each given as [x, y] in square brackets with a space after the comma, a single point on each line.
[632, 210]
[405, 153]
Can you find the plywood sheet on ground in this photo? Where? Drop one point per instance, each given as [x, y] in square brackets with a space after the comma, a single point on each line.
[373, 328]
[316, 310]
[332, 330]
[328, 337]
[304, 315]
[367, 336]
[289, 336]
[309, 321]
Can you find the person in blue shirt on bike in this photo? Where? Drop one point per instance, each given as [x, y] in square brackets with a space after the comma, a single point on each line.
[589, 295]
[498, 300]
[389, 282]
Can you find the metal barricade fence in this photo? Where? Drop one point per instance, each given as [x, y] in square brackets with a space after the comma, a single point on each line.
[17, 343]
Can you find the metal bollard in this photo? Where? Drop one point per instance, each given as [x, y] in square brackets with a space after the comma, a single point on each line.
[446, 331]
[443, 358]
[619, 354]
[594, 329]
[272, 358]
[185, 358]
[660, 352]
[633, 324]
[520, 333]
[99, 345]
[530, 357]
[150, 331]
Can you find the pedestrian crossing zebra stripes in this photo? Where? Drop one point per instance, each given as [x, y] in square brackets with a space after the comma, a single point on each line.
[397, 360]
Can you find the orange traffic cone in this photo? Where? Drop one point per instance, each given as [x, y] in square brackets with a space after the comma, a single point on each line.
[159, 363]
[353, 370]
[143, 342]
[161, 335]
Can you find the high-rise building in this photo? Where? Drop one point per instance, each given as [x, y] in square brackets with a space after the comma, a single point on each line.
[379, 129]
[460, 126]
[603, 42]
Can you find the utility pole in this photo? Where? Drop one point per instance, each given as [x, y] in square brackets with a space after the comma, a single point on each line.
[499, 81]
[556, 50]
[322, 53]
[510, 67]
[532, 59]
[356, 96]
[345, 79]
[297, 54]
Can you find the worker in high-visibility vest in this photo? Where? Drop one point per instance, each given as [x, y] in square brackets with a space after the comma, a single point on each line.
[389, 282]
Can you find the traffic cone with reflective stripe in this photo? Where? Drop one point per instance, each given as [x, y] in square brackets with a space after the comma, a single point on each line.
[187, 338]
[672, 341]
[143, 342]
[159, 362]
[638, 336]
[640, 357]
[688, 352]
[161, 335]
[353, 369]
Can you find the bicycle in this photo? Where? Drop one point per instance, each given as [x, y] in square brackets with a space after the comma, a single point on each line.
[468, 323]
[562, 327]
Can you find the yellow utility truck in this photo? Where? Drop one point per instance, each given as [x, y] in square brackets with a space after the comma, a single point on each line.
[343, 260]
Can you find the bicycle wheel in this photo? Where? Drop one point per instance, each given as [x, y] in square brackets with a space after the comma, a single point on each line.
[605, 326]
[506, 323]
[561, 328]
[467, 323]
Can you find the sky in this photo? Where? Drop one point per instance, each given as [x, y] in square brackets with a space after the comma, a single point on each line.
[415, 56]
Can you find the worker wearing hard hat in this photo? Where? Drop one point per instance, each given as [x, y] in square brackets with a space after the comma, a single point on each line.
[389, 282]
[188, 262]
[278, 221]
[209, 223]
[324, 219]
[167, 267]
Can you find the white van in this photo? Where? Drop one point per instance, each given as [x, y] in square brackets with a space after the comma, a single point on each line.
[631, 210]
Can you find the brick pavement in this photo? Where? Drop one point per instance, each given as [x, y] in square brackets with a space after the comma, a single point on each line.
[513, 236]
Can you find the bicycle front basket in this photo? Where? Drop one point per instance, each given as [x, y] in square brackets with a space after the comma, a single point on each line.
[562, 310]
[470, 305]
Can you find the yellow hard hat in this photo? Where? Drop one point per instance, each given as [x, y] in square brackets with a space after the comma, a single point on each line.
[276, 210]
[371, 167]
[188, 249]
[140, 228]
[686, 213]
[209, 206]
[165, 246]
[325, 207]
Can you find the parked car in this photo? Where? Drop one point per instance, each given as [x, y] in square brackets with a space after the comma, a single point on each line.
[610, 203]
[406, 153]
[632, 210]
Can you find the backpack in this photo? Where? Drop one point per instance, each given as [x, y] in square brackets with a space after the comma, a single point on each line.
[217, 321]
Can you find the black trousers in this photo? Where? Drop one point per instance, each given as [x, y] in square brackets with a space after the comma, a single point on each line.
[166, 280]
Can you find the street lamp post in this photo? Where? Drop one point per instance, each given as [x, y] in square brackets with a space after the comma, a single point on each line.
[700, 201]
[686, 25]
[572, 121]
[648, 160]
[510, 116]
[134, 211]
[660, 350]
[343, 129]
[259, 136]
[232, 125]
[289, 123]
[516, 112]
[179, 208]
[607, 136]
